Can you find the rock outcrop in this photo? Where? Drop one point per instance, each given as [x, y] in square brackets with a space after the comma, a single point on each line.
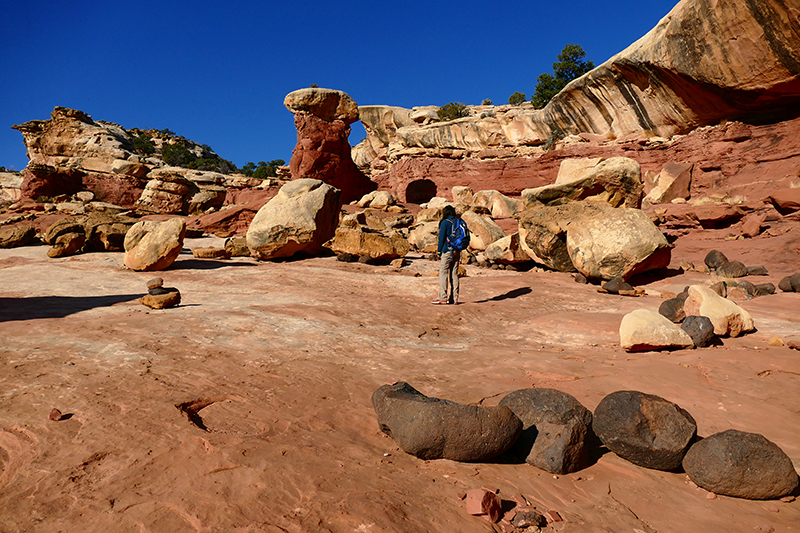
[705, 62]
[322, 118]
[300, 219]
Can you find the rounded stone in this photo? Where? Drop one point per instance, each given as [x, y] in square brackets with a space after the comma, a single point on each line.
[700, 329]
[155, 283]
[715, 258]
[646, 430]
[742, 465]
[732, 269]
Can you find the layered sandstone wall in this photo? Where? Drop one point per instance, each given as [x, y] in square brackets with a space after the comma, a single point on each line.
[706, 62]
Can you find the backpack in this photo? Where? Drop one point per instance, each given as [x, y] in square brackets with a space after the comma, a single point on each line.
[458, 239]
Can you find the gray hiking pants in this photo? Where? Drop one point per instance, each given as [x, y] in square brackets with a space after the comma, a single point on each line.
[448, 272]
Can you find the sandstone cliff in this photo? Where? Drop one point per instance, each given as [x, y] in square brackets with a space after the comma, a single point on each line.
[706, 62]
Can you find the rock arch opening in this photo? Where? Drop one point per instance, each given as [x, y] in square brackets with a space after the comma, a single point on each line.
[420, 191]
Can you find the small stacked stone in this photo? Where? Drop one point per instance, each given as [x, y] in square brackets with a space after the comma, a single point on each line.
[160, 297]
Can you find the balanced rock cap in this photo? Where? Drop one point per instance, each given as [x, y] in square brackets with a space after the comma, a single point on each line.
[327, 104]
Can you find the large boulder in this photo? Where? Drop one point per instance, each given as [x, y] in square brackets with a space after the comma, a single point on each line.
[616, 181]
[322, 118]
[483, 230]
[673, 182]
[618, 243]
[151, 245]
[431, 428]
[645, 330]
[743, 465]
[363, 241]
[17, 236]
[424, 236]
[646, 430]
[556, 429]
[507, 251]
[300, 218]
[727, 317]
[543, 231]
[498, 204]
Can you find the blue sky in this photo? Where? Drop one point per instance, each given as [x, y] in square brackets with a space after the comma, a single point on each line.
[217, 72]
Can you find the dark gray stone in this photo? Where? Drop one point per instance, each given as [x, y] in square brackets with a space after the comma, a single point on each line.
[742, 465]
[786, 284]
[700, 329]
[555, 429]
[748, 287]
[672, 309]
[764, 289]
[615, 285]
[720, 288]
[646, 430]
[431, 428]
[580, 278]
[732, 269]
[757, 271]
[526, 519]
[715, 258]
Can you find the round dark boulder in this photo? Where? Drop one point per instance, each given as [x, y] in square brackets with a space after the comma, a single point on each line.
[732, 269]
[430, 428]
[749, 288]
[555, 429]
[720, 288]
[764, 289]
[646, 430]
[615, 285]
[672, 309]
[739, 464]
[715, 258]
[700, 329]
[790, 283]
[757, 271]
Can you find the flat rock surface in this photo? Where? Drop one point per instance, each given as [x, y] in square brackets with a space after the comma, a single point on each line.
[273, 366]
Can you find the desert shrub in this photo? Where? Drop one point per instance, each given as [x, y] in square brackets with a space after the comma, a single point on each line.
[263, 169]
[452, 111]
[555, 135]
[176, 155]
[143, 144]
[517, 98]
[487, 101]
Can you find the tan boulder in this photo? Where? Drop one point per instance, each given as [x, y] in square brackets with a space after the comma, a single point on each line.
[17, 236]
[673, 182]
[498, 204]
[377, 200]
[507, 250]
[727, 317]
[616, 181]
[483, 230]
[616, 243]
[462, 195]
[424, 236]
[575, 168]
[300, 218]
[327, 104]
[364, 241]
[151, 245]
[646, 330]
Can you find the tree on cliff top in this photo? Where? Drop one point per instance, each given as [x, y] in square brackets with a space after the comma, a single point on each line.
[570, 65]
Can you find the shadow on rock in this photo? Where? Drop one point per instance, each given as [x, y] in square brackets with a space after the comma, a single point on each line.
[55, 306]
[646, 278]
[514, 293]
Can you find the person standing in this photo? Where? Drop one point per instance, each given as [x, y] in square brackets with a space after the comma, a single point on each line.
[453, 237]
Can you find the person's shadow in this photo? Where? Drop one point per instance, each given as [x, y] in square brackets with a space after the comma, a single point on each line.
[34, 307]
[514, 293]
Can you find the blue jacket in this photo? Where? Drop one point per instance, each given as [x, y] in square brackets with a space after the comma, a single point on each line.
[444, 230]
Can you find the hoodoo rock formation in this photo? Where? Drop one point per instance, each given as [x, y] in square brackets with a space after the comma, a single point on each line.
[323, 118]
